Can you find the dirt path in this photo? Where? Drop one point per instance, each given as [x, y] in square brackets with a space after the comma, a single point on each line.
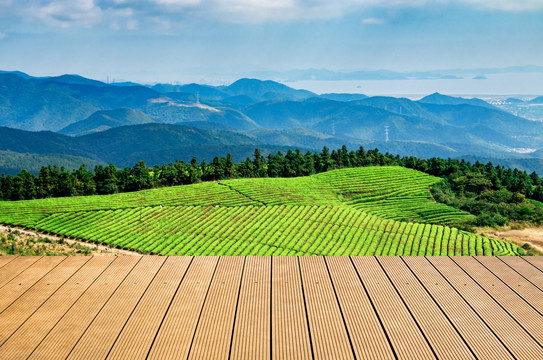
[102, 250]
[532, 235]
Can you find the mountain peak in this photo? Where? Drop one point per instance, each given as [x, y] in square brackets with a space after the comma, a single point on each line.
[440, 99]
[74, 79]
[266, 90]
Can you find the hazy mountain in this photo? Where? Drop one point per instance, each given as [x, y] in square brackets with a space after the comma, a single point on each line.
[302, 138]
[12, 162]
[35, 105]
[343, 97]
[407, 120]
[204, 91]
[294, 114]
[175, 113]
[254, 89]
[18, 73]
[514, 101]
[107, 119]
[41, 142]
[523, 164]
[123, 146]
[72, 79]
[54, 103]
[265, 90]
[267, 112]
[440, 99]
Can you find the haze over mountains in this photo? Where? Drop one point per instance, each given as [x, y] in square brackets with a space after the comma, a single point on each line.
[125, 122]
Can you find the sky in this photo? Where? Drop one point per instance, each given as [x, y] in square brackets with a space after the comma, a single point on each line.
[215, 40]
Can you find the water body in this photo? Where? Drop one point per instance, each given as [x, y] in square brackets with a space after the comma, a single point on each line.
[524, 86]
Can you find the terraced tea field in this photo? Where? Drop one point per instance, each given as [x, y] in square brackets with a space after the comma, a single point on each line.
[341, 212]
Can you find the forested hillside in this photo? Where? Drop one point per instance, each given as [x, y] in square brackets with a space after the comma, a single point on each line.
[494, 194]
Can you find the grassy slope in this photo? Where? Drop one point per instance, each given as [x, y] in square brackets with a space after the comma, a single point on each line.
[341, 212]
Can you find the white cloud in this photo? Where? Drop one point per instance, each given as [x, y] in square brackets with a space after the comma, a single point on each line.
[373, 21]
[64, 13]
[132, 25]
[138, 14]
[3, 35]
[179, 2]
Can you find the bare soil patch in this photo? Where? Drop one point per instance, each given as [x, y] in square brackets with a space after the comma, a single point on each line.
[58, 245]
[531, 235]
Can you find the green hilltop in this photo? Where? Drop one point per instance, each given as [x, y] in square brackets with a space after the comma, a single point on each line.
[356, 211]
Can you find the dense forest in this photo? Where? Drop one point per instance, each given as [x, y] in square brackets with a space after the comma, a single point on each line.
[496, 195]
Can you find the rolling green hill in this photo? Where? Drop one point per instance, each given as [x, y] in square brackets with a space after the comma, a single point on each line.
[341, 212]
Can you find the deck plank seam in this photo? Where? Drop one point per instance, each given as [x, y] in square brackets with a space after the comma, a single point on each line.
[375, 311]
[165, 313]
[14, 276]
[305, 308]
[515, 270]
[49, 297]
[408, 309]
[14, 257]
[441, 309]
[472, 309]
[237, 306]
[67, 311]
[127, 319]
[340, 309]
[37, 281]
[512, 288]
[531, 263]
[499, 304]
[201, 310]
[271, 307]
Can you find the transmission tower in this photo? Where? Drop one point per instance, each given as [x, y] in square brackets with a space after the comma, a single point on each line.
[197, 98]
[386, 133]
[333, 127]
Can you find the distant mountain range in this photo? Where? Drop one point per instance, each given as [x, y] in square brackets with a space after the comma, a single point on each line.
[326, 74]
[124, 122]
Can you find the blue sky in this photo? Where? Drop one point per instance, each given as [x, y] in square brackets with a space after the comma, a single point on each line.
[188, 40]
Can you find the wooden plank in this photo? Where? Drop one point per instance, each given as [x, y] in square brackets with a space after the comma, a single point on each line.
[136, 338]
[514, 337]
[15, 267]
[5, 260]
[524, 268]
[511, 302]
[514, 280]
[35, 328]
[405, 336]
[536, 261]
[64, 336]
[442, 336]
[100, 336]
[182, 317]
[329, 336]
[367, 335]
[251, 339]
[25, 280]
[213, 335]
[476, 334]
[17, 313]
[290, 334]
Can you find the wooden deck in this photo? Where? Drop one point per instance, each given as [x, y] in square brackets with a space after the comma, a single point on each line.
[132, 307]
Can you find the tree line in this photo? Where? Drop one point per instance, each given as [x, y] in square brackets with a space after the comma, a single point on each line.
[494, 193]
